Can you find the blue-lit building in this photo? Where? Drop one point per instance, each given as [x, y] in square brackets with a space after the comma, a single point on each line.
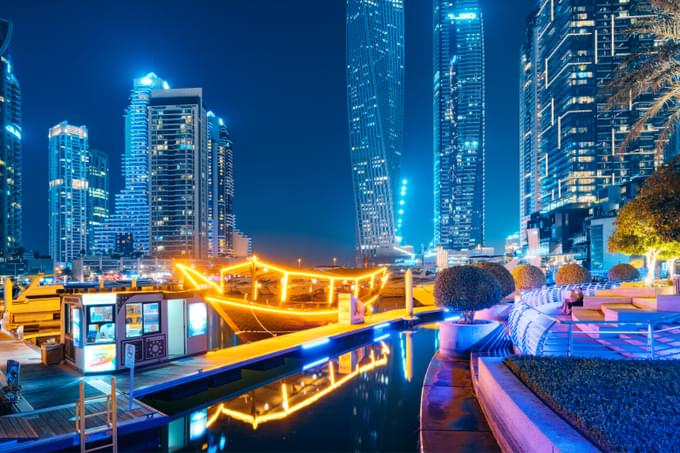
[97, 196]
[375, 104]
[570, 139]
[459, 124]
[220, 188]
[178, 173]
[10, 148]
[131, 205]
[68, 192]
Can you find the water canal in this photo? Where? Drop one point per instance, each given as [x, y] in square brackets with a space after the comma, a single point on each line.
[363, 397]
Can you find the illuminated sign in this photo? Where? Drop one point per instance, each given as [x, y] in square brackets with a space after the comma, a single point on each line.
[76, 332]
[198, 424]
[99, 299]
[198, 319]
[100, 358]
[463, 16]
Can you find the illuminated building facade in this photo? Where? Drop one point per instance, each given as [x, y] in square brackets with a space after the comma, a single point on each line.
[10, 148]
[220, 188]
[68, 192]
[375, 100]
[131, 205]
[178, 173]
[459, 124]
[97, 195]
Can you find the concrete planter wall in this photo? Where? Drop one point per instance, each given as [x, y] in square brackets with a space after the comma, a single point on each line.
[519, 420]
[457, 339]
[499, 312]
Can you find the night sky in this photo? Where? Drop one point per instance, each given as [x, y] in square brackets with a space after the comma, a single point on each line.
[275, 71]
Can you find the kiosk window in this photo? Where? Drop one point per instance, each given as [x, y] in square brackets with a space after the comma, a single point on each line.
[133, 320]
[100, 324]
[152, 318]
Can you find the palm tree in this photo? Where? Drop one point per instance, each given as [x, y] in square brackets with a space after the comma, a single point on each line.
[656, 72]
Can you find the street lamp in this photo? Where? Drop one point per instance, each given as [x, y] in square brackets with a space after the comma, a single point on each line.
[335, 261]
[299, 261]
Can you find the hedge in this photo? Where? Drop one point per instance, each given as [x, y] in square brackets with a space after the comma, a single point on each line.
[620, 405]
[466, 289]
[528, 277]
[623, 273]
[501, 274]
[572, 274]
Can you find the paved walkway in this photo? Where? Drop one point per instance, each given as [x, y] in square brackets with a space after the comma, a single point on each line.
[450, 417]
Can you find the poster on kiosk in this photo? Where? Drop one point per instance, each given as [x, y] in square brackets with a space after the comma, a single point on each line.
[350, 310]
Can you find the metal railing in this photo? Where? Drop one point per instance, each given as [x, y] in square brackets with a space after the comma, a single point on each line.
[111, 413]
[535, 333]
[547, 295]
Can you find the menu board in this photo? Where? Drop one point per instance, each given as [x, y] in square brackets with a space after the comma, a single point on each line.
[133, 320]
[152, 323]
[76, 332]
[101, 313]
[100, 358]
[198, 319]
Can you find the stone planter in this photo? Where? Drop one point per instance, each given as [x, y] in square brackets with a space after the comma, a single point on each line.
[499, 312]
[457, 339]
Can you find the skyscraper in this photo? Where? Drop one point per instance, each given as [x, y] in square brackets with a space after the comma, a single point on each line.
[375, 102]
[529, 133]
[97, 196]
[131, 205]
[220, 188]
[178, 173]
[68, 191]
[575, 47]
[459, 124]
[10, 148]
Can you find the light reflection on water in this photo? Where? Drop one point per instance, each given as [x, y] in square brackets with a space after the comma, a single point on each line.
[364, 399]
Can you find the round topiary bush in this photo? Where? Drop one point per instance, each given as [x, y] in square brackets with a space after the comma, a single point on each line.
[572, 274]
[623, 272]
[501, 274]
[528, 277]
[466, 289]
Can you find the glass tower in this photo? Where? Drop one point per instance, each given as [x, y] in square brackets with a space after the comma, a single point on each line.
[97, 196]
[178, 173]
[220, 188]
[459, 124]
[375, 102]
[10, 148]
[131, 212]
[573, 50]
[68, 192]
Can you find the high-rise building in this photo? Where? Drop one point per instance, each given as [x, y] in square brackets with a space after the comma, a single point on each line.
[375, 100]
[178, 173]
[459, 124]
[97, 196]
[131, 205]
[529, 133]
[10, 148]
[68, 192]
[220, 188]
[570, 140]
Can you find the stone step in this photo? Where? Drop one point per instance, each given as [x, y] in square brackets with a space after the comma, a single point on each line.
[595, 302]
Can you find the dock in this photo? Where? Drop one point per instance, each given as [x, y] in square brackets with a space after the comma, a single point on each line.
[53, 427]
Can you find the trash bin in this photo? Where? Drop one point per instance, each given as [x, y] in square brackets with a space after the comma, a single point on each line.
[52, 353]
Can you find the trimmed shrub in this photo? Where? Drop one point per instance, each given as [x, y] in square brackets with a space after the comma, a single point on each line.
[528, 277]
[572, 274]
[620, 405]
[466, 289]
[501, 274]
[623, 272]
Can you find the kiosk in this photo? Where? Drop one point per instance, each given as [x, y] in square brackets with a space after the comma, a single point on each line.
[162, 326]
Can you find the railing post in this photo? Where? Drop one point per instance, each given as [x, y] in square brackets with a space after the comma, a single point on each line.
[650, 340]
[570, 339]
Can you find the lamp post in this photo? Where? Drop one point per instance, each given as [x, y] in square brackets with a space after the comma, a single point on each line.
[335, 261]
[299, 261]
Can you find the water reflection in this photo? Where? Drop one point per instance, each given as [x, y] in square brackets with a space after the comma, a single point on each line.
[282, 398]
[366, 399]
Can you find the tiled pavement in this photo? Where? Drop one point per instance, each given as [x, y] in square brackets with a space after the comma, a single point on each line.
[451, 419]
